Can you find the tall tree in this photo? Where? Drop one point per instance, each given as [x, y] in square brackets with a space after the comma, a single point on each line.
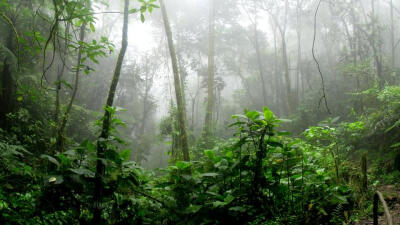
[285, 59]
[177, 83]
[101, 144]
[208, 126]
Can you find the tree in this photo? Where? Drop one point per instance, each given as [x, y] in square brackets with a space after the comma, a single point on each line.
[177, 83]
[208, 126]
[101, 143]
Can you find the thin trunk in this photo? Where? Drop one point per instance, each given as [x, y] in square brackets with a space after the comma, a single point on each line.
[60, 132]
[376, 49]
[289, 94]
[177, 83]
[287, 75]
[299, 56]
[260, 66]
[148, 85]
[194, 102]
[392, 31]
[208, 126]
[101, 143]
[60, 74]
[245, 82]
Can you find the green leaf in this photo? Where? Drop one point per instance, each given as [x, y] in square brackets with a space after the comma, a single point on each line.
[131, 11]
[92, 28]
[268, 114]
[66, 84]
[208, 174]
[182, 165]
[395, 145]
[83, 171]
[20, 98]
[237, 209]
[228, 199]
[78, 23]
[396, 124]
[210, 154]
[154, 6]
[51, 159]
[125, 154]
[55, 180]
[142, 18]
[252, 115]
[193, 209]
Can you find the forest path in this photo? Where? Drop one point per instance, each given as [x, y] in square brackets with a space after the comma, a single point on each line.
[391, 194]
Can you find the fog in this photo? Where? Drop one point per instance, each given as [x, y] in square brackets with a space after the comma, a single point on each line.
[199, 112]
[248, 52]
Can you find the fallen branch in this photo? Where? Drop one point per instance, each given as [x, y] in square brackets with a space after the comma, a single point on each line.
[378, 196]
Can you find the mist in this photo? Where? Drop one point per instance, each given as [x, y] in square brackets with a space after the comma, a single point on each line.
[199, 111]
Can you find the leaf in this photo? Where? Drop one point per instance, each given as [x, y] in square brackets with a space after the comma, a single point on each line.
[125, 154]
[228, 199]
[92, 28]
[83, 171]
[237, 209]
[78, 23]
[66, 84]
[20, 98]
[51, 159]
[182, 165]
[193, 209]
[252, 115]
[131, 11]
[217, 204]
[395, 145]
[210, 154]
[55, 180]
[396, 124]
[208, 174]
[236, 116]
[268, 114]
[154, 5]
[142, 18]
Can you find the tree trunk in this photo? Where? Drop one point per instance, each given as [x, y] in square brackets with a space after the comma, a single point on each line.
[208, 126]
[299, 56]
[60, 132]
[260, 66]
[287, 76]
[7, 81]
[101, 143]
[392, 31]
[60, 74]
[177, 83]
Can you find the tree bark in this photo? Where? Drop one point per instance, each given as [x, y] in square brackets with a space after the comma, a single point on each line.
[60, 74]
[299, 56]
[101, 143]
[208, 126]
[392, 31]
[177, 83]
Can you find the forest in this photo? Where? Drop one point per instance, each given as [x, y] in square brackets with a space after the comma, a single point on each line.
[200, 112]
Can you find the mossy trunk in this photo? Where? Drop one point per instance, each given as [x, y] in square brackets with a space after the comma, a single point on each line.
[101, 145]
[208, 126]
[177, 83]
[364, 179]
